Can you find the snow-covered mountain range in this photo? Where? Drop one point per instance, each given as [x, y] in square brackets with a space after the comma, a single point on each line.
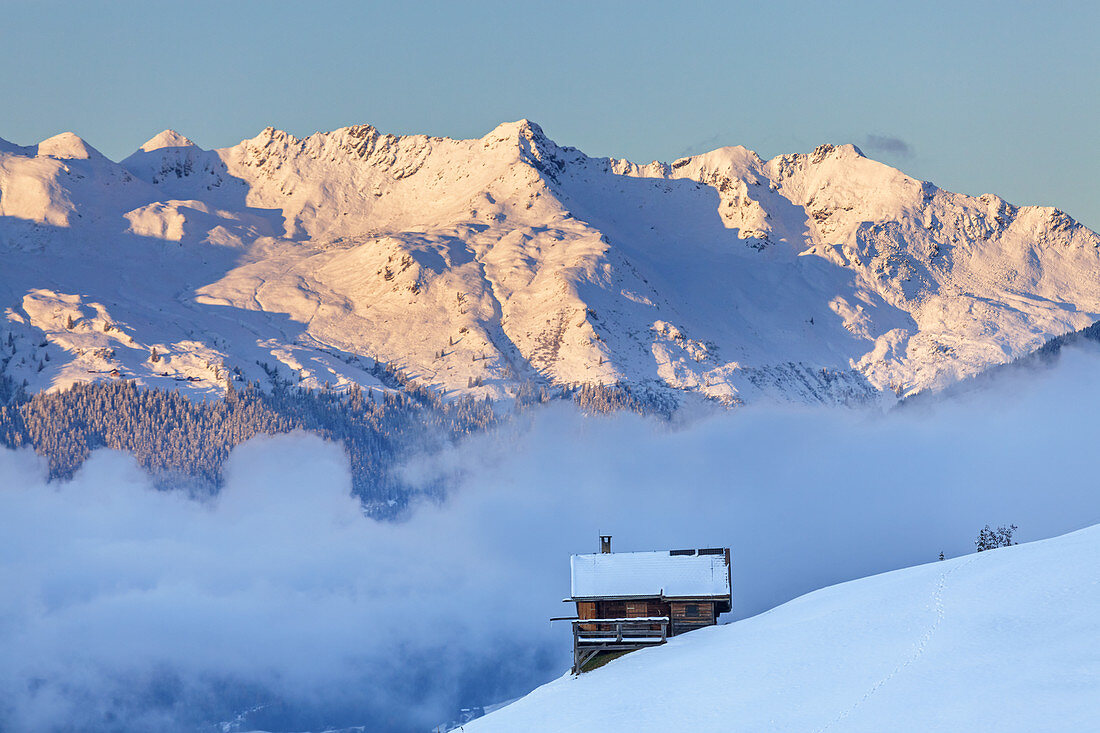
[477, 265]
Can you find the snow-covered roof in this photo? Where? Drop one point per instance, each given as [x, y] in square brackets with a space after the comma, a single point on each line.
[650, 575]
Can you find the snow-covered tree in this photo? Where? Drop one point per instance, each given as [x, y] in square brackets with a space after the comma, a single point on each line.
[991, 539]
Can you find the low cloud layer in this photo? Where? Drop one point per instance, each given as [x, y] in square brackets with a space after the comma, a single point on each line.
[131, 608]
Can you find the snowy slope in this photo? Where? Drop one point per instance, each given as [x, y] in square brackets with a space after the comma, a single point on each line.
[474, 265]
[1003, 640]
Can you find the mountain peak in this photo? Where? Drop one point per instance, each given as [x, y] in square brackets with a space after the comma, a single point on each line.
[523, 128]
[533, 144]
[67, 146]
[729, 155]
[166, 139]
[847, 150]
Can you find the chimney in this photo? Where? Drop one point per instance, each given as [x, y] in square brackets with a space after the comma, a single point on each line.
[605, 544]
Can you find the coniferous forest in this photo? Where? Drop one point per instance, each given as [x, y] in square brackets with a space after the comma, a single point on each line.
[187, 442]
[184, 442]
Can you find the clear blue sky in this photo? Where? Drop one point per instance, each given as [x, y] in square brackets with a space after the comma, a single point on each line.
[975, 96]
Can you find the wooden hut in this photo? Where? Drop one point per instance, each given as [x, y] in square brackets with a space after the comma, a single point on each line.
[631, 600]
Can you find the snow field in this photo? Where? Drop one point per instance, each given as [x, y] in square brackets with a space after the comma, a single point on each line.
[1005, 640]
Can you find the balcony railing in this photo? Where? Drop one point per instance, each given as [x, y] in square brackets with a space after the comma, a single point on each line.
[592, 636]
[645, 630]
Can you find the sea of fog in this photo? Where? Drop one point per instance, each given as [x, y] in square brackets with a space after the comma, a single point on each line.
[130, 608]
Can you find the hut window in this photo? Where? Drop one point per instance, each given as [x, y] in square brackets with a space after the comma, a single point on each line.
[691, 610]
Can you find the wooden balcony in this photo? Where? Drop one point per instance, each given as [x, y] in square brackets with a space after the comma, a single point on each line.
[592, 636]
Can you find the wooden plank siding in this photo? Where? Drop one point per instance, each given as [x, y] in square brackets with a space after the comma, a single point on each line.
[640, 608]
[685, 615]
[693, 611]
[689, 615]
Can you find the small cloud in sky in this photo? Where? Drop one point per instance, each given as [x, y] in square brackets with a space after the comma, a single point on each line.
[889, 145]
